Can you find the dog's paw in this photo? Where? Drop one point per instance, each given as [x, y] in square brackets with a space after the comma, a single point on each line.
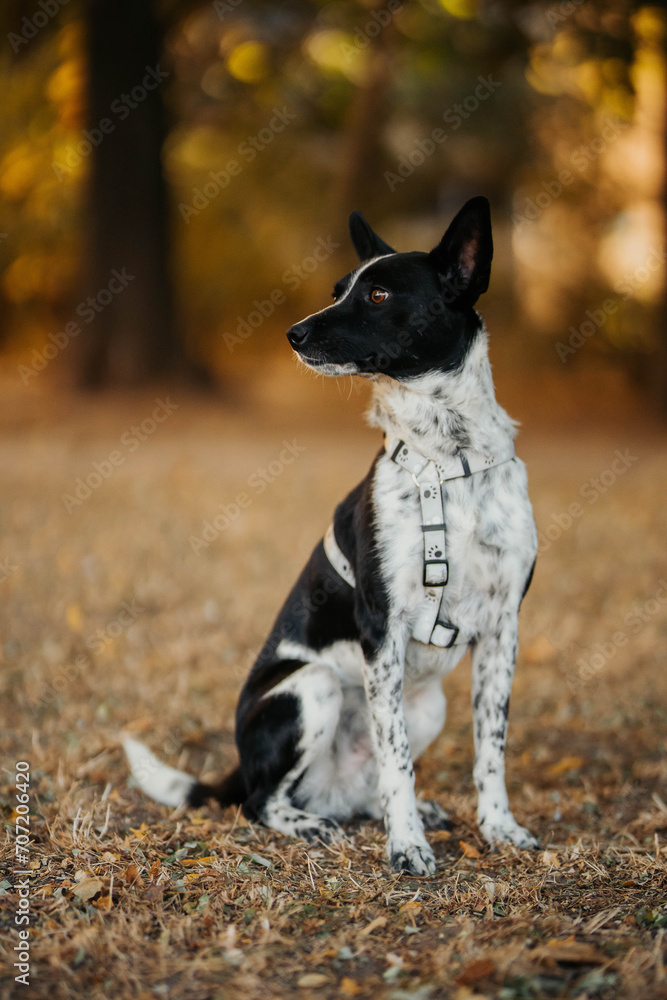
[320, 830]
[415, 859]
[433, 816]
[508, 831]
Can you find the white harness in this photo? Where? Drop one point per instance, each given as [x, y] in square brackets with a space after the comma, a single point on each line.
[428, 476]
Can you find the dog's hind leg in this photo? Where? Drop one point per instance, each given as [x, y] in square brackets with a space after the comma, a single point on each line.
[290, 729]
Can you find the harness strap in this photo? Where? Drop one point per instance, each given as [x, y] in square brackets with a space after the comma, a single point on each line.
[427, 629]
[458, 466]
[430, 627]
[336, 557]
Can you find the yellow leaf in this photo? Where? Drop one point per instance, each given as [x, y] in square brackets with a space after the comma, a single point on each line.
[349, 987]
[564, 764]
[469, 850]
[412, 906]
[439, 836]
[199, 861]
[103, 903]
[140, 831]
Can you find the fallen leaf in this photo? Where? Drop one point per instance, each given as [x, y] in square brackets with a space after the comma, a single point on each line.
[413, 905]
[198, 861]
[349, 987]
[313, 980]
[550, 858]
[563, 765]
[103, 903]
[569, 951]
[154, 894]
[132, 876]
[154, 871]
[88, 888]
[439, 836]
[472, 973]
[140, 831]
[490, 887]
[469, 850]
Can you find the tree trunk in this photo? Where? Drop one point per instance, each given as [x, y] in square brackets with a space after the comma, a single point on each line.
[661, 374]
[134, 336]
[361, 144]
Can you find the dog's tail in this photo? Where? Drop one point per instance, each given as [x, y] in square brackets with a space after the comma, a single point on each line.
[175, 788]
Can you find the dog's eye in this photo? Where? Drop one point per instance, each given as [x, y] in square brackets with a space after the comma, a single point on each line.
[378, 295]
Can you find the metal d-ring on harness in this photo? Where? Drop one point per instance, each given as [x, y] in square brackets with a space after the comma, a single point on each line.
[428, 476]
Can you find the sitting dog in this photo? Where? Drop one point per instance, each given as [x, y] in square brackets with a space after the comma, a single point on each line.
[429, 556]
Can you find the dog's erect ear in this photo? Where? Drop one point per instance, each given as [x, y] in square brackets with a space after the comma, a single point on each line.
[463, 256]
[367, 243]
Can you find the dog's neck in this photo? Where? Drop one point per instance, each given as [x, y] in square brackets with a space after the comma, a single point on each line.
[444, 412]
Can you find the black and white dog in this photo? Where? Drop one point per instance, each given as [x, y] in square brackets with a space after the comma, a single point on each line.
[430, 555]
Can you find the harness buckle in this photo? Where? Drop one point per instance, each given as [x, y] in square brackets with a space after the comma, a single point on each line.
[443, 627]
[441, 577]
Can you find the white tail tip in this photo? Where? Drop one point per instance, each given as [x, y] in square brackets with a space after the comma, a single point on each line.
[157, 780]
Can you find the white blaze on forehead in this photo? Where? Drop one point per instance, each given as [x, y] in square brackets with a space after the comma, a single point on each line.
[355, 276]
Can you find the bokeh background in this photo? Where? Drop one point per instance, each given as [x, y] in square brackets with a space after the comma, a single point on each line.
[211, 148]
[175, 181]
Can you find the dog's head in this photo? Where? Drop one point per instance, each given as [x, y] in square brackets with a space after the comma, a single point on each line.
[403, 314]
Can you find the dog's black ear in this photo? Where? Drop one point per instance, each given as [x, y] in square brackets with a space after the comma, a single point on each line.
[367, 243]
[463, 256]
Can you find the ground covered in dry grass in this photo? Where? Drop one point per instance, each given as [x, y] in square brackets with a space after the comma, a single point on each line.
[124, 611]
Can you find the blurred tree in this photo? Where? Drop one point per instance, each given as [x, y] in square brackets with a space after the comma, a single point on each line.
[137, 335]
[282, 118]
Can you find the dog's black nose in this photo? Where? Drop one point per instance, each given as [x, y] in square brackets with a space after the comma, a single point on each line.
[298, 335]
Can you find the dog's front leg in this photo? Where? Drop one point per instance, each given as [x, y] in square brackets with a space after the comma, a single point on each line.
[407, 848]
[493, 659]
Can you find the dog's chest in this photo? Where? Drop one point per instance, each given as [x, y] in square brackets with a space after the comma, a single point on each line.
[490, 543]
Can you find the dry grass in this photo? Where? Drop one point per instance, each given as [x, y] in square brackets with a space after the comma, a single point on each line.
[130, 901]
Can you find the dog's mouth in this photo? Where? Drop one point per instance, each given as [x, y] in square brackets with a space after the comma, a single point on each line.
[327, 367]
